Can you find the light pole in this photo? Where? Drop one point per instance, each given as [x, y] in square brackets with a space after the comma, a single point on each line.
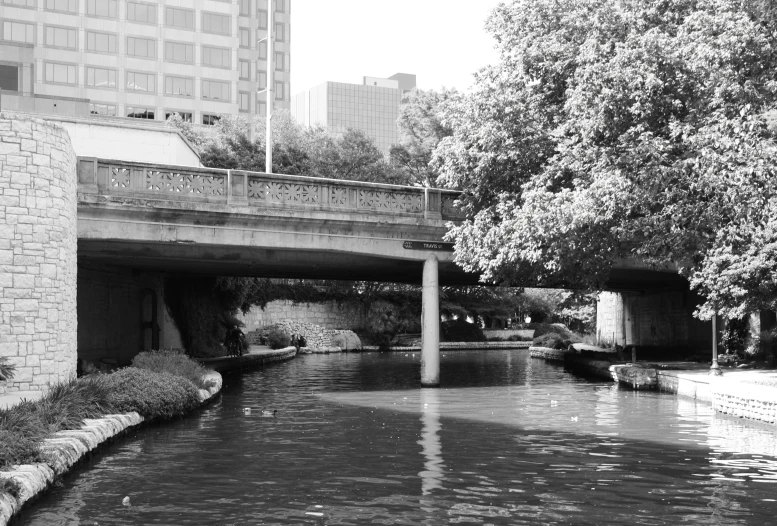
[270, 88]
[715, 368]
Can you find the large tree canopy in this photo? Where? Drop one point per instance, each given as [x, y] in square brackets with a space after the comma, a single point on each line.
[617, 129]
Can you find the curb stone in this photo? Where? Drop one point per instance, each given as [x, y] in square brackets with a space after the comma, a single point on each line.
[65, 448]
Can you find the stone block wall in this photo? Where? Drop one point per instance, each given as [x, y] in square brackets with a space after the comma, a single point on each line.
[328, 315]
[38, 267]
[316, 337]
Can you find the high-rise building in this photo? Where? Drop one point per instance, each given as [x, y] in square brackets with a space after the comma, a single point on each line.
[372, 106]
[142, 59]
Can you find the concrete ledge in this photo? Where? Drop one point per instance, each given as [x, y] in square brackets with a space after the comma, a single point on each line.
[548, 354]
[696, 386]
[588, 367]
[227, 364]
[65, 448]
[455, 346]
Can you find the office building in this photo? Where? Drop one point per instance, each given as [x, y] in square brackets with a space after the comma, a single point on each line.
[142, 59]
[372, 106]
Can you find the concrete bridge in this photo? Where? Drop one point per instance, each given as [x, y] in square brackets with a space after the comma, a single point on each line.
[87, 240]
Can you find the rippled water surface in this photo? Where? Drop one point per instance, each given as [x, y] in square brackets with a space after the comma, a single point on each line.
[505, 440]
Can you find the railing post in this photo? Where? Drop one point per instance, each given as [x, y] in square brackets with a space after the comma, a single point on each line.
[87, 174]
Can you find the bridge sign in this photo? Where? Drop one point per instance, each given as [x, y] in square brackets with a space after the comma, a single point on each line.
[427, 245]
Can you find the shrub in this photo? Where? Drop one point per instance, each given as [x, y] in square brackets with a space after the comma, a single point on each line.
[153, 395]
[171, 362]
[551, 340]
[7, 370]
[518, 338]
[460, 330]
[278, 338]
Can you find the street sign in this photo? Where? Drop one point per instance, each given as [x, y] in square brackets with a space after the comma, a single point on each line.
[427, 245]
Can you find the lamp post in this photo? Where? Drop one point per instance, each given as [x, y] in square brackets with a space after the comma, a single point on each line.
[715, 368]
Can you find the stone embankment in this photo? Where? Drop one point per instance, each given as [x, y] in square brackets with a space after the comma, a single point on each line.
[65, 448]
[456, 346]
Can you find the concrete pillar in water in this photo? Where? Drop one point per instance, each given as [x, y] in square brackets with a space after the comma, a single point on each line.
[430, 320]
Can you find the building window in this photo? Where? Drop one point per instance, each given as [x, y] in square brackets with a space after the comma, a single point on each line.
[61, 37]
[179, 86]
[141, 82]
[101, 77]
[100, 42]
[141, 13]
[180, 18]
[280, 63]
[261, 77]
[179, 52]
[216, 23]
[245, 7]
[261, 107]
[262, 18]
[19, 32]
[185, 116]
[263, 50]
[280, 6]
[245, 37]
[20, 3]
[66, 6]
[244, 101]
[9, 77]
[217, 57]
[60, 73]
[245, 69]
[137, 112]
[279, 36]
[210, 119]
[109, 110]
[280, 90]
[103, 8]
[215, 90]
[141, 47]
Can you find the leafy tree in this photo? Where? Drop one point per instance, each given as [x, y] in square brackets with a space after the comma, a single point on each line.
[420, 131]
[616, 129]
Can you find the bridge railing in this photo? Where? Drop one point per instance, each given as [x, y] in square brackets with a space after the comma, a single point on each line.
[185, 183]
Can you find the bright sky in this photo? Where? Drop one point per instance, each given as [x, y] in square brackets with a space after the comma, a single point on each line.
[442, 41]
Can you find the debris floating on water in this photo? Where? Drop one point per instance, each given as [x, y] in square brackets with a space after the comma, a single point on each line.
[126, 501]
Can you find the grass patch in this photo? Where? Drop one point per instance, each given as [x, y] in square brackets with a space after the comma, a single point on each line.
[174, 363]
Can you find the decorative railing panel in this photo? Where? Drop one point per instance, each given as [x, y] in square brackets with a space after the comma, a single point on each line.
[262, 190]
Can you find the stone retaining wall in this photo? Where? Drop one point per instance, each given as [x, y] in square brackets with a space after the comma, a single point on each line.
[316, 337]
[38, 206]
[548, 354]
[329, 315]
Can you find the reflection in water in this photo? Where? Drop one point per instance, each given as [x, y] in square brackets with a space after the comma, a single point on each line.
[434, 469]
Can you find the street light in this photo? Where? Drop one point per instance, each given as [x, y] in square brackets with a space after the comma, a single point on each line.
[715, 368]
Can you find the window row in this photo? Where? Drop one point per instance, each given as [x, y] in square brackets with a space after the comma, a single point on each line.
[143, 112]
[106, 78]
[147, 13]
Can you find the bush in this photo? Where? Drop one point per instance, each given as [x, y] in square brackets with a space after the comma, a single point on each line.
[551, 340]
[518, 338]
[153, 395]
[278, 339]
[460, 330]
[7, 370]
[172, 362]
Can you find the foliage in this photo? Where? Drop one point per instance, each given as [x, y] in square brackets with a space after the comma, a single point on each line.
[152, 395]
[384, 321]
[551, 340]
[613, 130]
[7, 369]
[277, 338]
[734, 335]
[460, 330]
[11, 487]
[550, 328]
[174, 363]
[65, 406]
[420, 131]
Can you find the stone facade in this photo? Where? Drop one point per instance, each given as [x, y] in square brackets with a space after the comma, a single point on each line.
[38, 267]
[316, 337]
[329, 315]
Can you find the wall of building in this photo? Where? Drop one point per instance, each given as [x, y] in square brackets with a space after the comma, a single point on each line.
[129, 142]
[113, 303]
[328, 315]
[661, 319]
[38, 207]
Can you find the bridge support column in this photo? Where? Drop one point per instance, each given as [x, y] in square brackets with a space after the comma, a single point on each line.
[430, 320]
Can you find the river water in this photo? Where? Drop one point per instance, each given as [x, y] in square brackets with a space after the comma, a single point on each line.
[507, 439]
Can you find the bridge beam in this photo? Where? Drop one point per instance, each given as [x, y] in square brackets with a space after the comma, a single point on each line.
[430, 320]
